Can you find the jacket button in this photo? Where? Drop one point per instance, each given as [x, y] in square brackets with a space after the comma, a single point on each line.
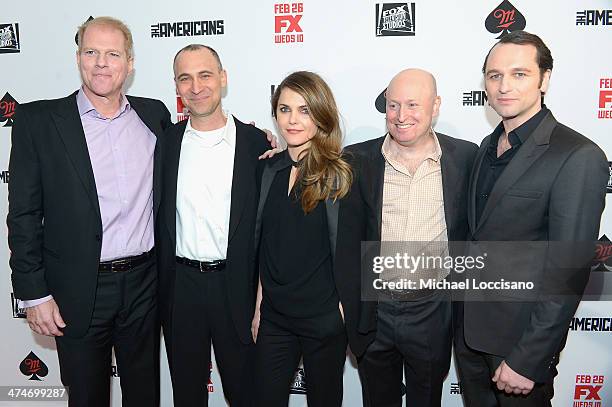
[98, 238]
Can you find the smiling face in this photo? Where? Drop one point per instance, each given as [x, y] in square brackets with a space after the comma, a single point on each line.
[514, 83]
[294, 121]
[199, 82]
[103, 62]
[411, 105]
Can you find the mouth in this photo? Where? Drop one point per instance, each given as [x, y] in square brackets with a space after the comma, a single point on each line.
[293, 131]
[404, 126]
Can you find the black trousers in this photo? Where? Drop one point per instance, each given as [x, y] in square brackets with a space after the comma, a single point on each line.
[124, 317]
[321, 342]
[201, 316]
[413, 338]
[475, 371]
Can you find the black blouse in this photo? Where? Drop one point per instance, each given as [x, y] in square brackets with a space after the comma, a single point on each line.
[295, 256]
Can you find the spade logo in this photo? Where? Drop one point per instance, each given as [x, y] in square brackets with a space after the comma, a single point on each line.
[504, 19]
[7, 109]
[76, 36]
[34, 367]
[381, 102]
[603, 254]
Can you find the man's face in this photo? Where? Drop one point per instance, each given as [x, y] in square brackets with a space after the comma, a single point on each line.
[411, 106]
[513, 82]
[199, 82]
[103, 61]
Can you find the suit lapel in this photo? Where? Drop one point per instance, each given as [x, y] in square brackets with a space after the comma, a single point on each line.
[242, 180]
[172, 158]
[376, 183]
[70, 130]
[269, 172]
[473, 181]
[530, 151]
[450, 182]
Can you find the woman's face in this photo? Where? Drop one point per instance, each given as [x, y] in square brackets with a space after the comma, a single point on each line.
[294, 121]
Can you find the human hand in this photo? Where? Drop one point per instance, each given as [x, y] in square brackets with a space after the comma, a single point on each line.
[510, 381]
[45, 319]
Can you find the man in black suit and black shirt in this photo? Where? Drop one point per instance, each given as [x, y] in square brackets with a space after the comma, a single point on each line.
[211, 180]
[534, 180]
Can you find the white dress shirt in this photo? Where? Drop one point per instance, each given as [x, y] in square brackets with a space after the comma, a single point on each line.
[204, 192]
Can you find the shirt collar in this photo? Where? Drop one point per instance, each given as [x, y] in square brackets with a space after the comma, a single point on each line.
[228, 132]
[519, 135]
[433, 155]
[85, 106]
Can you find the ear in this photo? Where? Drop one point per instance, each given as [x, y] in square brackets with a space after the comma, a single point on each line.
[223, 78]
[78, 59]
[436, 106]
[545, 81]
[130, 65]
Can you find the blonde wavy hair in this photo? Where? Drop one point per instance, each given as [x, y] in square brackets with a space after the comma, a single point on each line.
[324, 173]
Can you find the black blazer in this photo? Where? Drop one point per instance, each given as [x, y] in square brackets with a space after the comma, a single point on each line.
[360, 220]
[54, 224]
[553, 190]
[240, 269]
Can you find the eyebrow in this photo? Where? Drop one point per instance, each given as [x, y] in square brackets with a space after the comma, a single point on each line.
[517, 69]
[286, 105]
[184, 74]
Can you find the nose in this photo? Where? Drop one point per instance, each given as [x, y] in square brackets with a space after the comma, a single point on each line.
[101, 60]
[504, 84]
[293, 116]
[196, 86]
[402, 114]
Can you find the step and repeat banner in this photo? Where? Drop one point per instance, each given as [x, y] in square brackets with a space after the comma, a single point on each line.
[357, 46]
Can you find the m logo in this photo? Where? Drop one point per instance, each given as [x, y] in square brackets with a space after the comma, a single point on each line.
[504, 18]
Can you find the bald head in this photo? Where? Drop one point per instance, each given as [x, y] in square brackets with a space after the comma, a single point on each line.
[415, 78]
[412, 103]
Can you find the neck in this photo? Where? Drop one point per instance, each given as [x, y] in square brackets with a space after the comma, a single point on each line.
[208, 123]
[107, 106]
[413, 151]
[512, 123]
[297, 152]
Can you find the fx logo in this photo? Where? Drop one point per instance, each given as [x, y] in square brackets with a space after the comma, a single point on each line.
[587, 392]
[288, 22]
[605, 97]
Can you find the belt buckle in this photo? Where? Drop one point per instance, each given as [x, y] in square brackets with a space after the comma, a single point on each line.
[200, 265]
[121, 263]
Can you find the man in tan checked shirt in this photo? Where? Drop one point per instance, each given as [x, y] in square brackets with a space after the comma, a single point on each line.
[410, 193]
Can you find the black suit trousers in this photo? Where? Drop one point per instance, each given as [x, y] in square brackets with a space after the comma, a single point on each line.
[201, 316]
[320, 341]
[124, 318]
[413, 338]
[476, 369]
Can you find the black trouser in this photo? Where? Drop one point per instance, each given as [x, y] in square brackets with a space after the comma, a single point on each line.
[320, 341]
[201, 315]
[412, 338]
[124, 317]
[475, 370]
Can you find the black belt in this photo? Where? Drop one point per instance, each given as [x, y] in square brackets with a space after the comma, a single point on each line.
[202, 266]
[126, 263]
[405, 295]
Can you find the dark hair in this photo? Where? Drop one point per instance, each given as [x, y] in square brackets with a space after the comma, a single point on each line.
[197, 47]
[543, 56]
